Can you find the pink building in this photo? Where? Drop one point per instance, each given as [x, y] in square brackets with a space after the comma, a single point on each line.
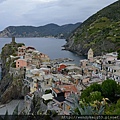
[21, 63]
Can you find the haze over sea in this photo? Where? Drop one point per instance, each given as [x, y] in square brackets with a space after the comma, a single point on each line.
[50, 46]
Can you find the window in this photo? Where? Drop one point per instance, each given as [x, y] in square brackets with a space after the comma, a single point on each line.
[18, 65]
[68, 107]
[18, 62]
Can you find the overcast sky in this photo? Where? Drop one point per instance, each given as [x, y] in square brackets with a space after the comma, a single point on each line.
[41, 12]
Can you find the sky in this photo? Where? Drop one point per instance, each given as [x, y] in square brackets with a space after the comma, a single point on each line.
[42, 12]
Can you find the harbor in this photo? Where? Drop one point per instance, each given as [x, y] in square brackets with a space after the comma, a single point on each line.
[61, 60]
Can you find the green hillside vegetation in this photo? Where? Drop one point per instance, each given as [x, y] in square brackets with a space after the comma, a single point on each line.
[101, 32]
[49, 30]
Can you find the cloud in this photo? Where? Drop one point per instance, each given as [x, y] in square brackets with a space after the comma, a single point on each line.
[64, 12]
[41, 12]
[2, 1]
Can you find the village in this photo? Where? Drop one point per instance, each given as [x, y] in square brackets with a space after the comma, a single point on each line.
[56, 80]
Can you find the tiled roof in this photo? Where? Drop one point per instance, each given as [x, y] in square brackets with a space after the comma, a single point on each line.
[56, 90]
[69, 88]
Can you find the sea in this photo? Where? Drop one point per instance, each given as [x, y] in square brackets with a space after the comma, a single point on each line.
[50, 46]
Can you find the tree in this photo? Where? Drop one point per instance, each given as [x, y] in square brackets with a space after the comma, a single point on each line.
[95, 96]
[92, 88]
[118, 90]
[113, 109]
[109, 88]
[95, 87]
[48, 91]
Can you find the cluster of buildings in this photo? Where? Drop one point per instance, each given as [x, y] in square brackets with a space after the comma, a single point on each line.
[55, 83]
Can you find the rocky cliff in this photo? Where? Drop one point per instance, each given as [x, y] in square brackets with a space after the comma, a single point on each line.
[10, 85]
[101, 32]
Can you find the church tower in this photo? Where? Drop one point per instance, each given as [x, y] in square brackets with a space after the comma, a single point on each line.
[90, 55]
[13, 39]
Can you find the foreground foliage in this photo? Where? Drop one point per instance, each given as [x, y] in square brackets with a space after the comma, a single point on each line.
[106, 96]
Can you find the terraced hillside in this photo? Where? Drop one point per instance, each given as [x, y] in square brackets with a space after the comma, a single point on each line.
[101, 32]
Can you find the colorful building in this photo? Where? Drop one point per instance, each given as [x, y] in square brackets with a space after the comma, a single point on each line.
[21, 63]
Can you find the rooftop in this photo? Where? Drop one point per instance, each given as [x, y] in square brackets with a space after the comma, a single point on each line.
[48, 76]
[71, 88]
[47, 96]
[45, 69]
[115, 67]
[117, 73]
[29, 47]
[115, 54]
[60, 98]
[73, 67]
[56, 90]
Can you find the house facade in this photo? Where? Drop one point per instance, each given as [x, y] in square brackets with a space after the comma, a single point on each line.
[21, 51]
[21, 63]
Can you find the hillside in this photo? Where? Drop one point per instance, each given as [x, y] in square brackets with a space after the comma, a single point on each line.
[101, 32]
[49, 30]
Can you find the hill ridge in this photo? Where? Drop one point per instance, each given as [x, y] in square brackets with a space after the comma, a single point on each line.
[49, 30]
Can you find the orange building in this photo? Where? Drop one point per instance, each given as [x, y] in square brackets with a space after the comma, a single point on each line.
[68, 89]
[61, 66]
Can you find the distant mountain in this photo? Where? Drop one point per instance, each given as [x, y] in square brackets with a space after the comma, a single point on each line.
[101, 32]
[49, 30]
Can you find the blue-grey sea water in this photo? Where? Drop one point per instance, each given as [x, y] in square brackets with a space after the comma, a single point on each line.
[50, 46]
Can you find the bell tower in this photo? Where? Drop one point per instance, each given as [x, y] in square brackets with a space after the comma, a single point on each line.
[90, 55]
